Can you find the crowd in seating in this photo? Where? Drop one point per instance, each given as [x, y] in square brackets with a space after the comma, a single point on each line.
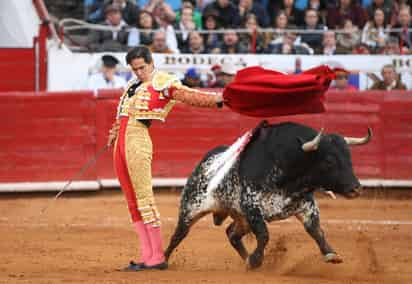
[252, 26]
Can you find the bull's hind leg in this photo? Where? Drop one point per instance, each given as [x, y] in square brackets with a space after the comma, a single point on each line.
[258, 227]
[310, 220]
[219, 217]
[181, 231]
[235, 232]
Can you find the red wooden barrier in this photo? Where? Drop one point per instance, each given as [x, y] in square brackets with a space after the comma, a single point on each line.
[50, 136]
[17, 70]
[46, 137]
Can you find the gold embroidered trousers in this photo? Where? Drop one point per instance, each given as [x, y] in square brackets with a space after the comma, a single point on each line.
[133, 163]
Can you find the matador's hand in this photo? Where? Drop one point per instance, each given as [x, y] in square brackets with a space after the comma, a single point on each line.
[219, 100]
[113, 133]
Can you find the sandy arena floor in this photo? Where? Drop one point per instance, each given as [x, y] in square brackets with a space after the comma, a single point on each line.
[84, 238]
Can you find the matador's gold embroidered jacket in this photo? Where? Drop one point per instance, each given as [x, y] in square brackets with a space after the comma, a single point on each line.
[154, 100]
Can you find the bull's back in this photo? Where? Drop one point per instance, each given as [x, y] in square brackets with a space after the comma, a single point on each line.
[273, 146]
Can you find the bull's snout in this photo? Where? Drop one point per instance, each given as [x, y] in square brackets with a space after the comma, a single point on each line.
[354, 193]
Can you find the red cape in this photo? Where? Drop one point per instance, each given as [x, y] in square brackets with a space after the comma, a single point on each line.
[259, 92]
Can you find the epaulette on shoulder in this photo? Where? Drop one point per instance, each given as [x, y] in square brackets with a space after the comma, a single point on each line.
[163, 80]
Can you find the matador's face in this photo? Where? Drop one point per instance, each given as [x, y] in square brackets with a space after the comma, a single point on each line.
[141, 69]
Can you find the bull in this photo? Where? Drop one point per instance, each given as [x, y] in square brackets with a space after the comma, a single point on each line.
[273, 178]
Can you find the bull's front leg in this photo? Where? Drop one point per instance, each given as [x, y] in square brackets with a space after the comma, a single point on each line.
[310, 220]
[258, 227]
[235, 233]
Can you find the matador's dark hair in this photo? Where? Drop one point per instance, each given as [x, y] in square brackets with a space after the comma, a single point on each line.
[140, 51]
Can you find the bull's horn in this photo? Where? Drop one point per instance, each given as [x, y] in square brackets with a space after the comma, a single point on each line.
[359, 141]
[313, 144]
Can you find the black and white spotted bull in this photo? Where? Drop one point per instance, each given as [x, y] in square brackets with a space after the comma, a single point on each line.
[273, 178]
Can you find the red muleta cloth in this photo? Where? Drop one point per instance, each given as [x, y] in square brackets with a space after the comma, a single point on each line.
[260, 92]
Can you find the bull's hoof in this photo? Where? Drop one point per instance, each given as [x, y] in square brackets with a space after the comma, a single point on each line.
[332, 258]
[253, 262]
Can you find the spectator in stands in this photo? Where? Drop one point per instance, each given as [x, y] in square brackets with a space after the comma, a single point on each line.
[201, 4]
[231, 43]
[390, 80]
[210, 23]
[107, 78]
[130, 10]
[161, 11]
[93, 10]
[361, 49]
[174, 5]
[214, 77]
[141, 37]
[197, 16]
[317, 5]
[247, 7]
[329, 44]
[314, 40]
[185, 26]
[228, 72]
[280, 24]
[389, 8]
[295, 16]
[159, 44]
[254, 41]
[320, 7]
[373, 34]
[163, 18]
[392, 46]
[196, 45]
[281, 21]
[171, 40]
[346, 9]
[228, 15]
[341, 83]
[405, 35]
[289, 45]
[106, 40]
[349, 38]
[192, 78]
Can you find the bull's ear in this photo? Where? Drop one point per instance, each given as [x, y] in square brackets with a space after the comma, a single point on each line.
[313, 144]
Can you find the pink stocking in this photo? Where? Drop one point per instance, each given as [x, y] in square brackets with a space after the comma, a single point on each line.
[145, 246]
[156, 244]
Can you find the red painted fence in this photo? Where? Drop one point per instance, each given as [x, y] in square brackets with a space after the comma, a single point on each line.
[50, 136]
[17, 69]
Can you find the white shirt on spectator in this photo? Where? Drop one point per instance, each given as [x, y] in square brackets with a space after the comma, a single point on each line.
[97, 81]
[171, 41]
[134, 37]
[121, 25]
[371, 35]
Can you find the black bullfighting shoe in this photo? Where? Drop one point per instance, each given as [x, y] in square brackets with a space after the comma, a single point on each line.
[160, 266]
[133, 266]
